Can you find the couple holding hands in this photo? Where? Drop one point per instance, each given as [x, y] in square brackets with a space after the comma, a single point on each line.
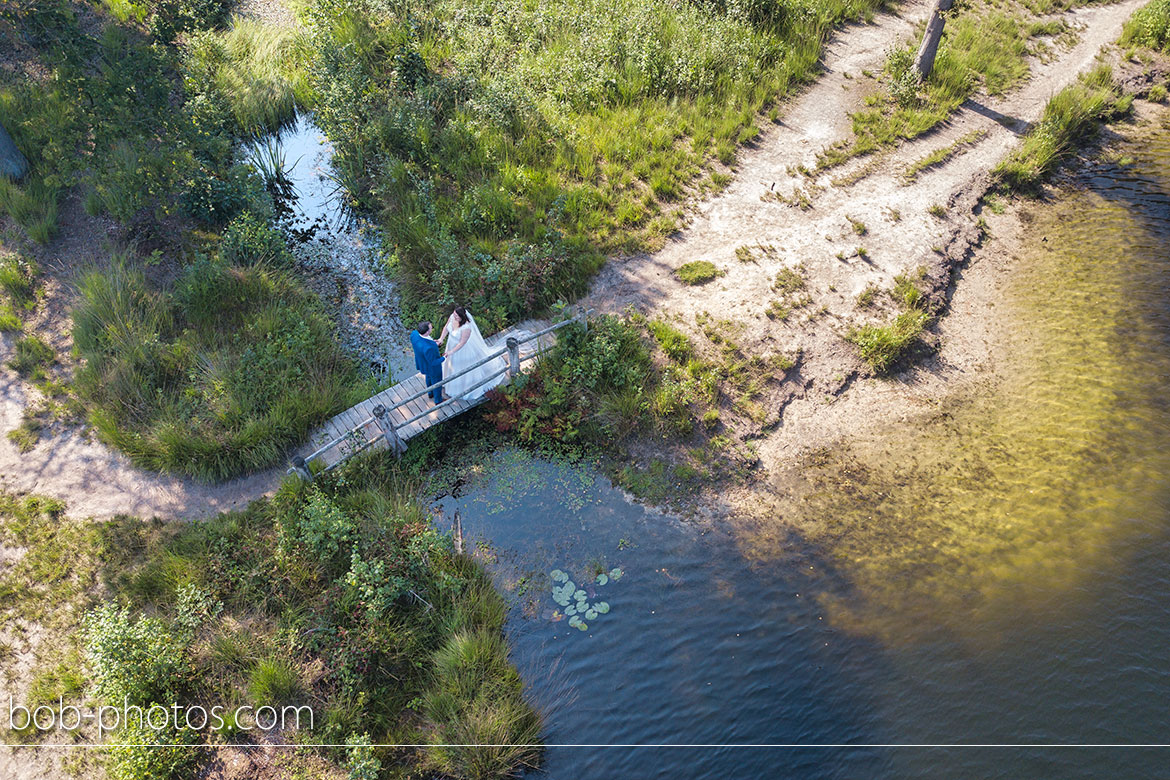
[465, 347]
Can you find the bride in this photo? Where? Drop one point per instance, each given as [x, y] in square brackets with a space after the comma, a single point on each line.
[465, 348]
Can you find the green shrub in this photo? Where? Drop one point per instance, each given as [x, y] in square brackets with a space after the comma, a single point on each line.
[138, 660]
[319, 530]
[592, 379]
[215, 197]
[697, 272]
[145, 753]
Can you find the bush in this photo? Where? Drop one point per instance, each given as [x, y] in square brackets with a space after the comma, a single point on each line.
[697, 272]
[215, 197]
[145, 753]
[249, 240]
[577, 387]
[136, 660]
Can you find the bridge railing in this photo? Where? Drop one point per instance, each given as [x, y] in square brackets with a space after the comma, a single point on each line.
[386, 429]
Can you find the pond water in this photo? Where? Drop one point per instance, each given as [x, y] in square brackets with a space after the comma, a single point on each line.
[997, 573]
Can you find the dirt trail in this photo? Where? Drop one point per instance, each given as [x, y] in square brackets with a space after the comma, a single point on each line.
[98, 482]
[901, 235]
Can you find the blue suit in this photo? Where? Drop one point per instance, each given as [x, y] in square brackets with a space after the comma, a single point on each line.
[428, 361]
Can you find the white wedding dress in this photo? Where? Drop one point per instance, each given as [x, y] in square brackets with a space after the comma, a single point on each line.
[472, 386]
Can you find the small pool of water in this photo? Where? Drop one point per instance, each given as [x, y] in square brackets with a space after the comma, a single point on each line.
[342, 255]
[999, 573]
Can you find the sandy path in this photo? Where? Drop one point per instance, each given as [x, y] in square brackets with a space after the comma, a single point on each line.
[96, 481]
[826, 403]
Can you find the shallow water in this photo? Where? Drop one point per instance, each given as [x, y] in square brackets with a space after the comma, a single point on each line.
[343, 256]
[999, 573]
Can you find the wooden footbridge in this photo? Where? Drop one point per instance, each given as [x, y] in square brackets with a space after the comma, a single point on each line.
[399, 413]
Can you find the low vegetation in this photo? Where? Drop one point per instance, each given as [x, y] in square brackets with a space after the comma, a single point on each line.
[942, 155]
[506, 159]
[216, 376]
[882, 346]
[1149, 26]
[340, 597]
[698, 272]
[1072, 114]
[983, 48]
[108, 120]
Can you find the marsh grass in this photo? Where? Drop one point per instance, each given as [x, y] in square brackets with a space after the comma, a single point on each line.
[215, 379]
[477, 142]
[1072, 114]
[253, 68]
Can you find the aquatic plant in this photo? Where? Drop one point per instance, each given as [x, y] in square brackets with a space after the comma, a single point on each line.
[576, 601]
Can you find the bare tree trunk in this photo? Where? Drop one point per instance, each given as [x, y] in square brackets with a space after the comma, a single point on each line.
[924, 62]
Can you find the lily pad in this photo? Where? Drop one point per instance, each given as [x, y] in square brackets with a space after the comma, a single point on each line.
[574, 621]
[570, 610]
[590, 614]
[582, 626]
[615, 574]
[602, 579]
[580, 595]
[558, 576]
[561, 600]
[601, 607]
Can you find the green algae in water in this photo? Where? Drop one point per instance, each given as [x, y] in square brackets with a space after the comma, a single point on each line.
[509, 475]
[1004, 500]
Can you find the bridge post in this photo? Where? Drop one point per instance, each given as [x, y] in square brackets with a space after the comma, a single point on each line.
[513, 357]
[301, 469]
[397, 446]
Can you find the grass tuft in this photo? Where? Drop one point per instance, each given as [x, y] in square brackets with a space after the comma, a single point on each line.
[697, 272]
[1072, 114]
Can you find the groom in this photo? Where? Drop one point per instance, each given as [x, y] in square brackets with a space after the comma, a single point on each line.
[427, 358]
